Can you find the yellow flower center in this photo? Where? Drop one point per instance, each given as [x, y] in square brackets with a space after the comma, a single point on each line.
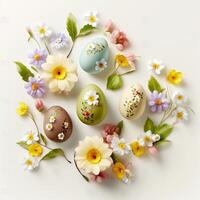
[158, 102]
[121, 145]
[119, 170]
[180, 115]
[92, 19]
[180, 97]
[42, 30]
[37, 57]
[35, 150]
[28, 162]
[147, 139]
[94, 156]
[34, 86]
[122, 61]
[59, 72]
[137, 149]
[155, 66]
[91, 98]
[30, 136]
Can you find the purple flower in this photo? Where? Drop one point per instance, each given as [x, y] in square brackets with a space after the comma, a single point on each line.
[59, 40]
[158, 102]
[38, 57]
[35, 87]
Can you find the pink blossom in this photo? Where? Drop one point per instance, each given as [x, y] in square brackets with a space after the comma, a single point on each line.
[39, 105]
[98, 178]
[119, 38]
[153, 150]
[109, 26]
[131, 57]
[109, 132]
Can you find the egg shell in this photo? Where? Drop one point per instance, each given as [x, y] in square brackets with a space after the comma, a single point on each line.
[91, 114]
[57, 124]
[133, 102]
[93, 52]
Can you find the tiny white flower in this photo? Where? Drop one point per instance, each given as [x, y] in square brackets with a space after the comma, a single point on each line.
[31, 137]
[119, 146]
[156, 66]
[66, 125]
[155, 137]
[49, 127]
[61, 136]
[52, 119]
[148, 139]
[92, 18]
[179, 98]
[101, 65]
[181, 114]
[43, 30]
[92, 98]
[30, 163]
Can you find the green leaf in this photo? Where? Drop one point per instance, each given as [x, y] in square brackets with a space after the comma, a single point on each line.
[114, 82]
[161, 142]
[164, 131]
[72, 26]
[24, 72]
[120, 126]
[149, 125]
[33, 68]
[43, 138]
[23, 145]
[153, 84]
[86, 29]
[53, 153]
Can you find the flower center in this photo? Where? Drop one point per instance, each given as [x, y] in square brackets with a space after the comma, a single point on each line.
[158, 102]
[119, 170]
[94, 156]
[34, 86]
[42, 30]
[180, 115]
[121, 145]
[155, 66]
[58, 40]
[59, 73]
[147, 139]
[101, 65]
[91, 98]
[37, 57]
[180, 97]
[30, 136]
[92, 19]
[28, 162]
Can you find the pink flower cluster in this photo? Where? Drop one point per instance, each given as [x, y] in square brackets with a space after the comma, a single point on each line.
[98, 178]
[109, 132]
[117, 37]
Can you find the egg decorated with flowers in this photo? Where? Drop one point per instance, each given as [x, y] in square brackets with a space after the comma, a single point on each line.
[91, 105]
[133, 102]
[57, 124]
[94, 56]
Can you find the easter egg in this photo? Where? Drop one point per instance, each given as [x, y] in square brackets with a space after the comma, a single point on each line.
[57, 124]
[91, 105]
[94, 56]
[133, 102]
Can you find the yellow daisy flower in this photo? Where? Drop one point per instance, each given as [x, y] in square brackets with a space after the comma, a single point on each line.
[35, 150]
[119, 170]
[22, 110]
[175, 77]
[137, 149]
[122, 61]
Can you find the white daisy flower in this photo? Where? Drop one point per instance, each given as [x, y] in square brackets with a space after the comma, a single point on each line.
[156, 66]
[181, 114]
[31, 137]
[66, 125]
[52, 119]
[148, 139]
[49, 127]
[119, 146]
[30, 163]
[101, 65]
[92, 98]
[92, 18]
[61, 136]
[43, 30]
[179, 98]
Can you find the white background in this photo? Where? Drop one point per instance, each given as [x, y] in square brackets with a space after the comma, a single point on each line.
[167, 30]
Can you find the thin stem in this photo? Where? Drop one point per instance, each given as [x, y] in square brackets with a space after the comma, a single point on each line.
[37, 42]
[80, 170]
[47, 48]
[71, 49]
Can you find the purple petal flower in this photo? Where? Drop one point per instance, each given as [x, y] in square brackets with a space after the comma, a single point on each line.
[38, 57]
[35, 87]
[59, 40]
[158, 102]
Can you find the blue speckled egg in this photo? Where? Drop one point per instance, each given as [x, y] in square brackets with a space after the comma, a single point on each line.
[94, 56]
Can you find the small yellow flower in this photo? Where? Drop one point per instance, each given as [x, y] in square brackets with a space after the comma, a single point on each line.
[119, 170]
[137, 149]
[122, 61]
[22, 109]
[175, 77]
[35, 150]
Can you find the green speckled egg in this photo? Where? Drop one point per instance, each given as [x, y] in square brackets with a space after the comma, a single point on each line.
[94, 56]
[91, 105]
